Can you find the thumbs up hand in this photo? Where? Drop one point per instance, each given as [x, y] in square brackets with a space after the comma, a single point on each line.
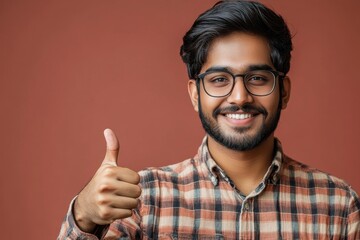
[111, 194]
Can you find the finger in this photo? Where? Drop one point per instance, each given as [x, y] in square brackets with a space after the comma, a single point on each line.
[123, 202]
[112, 147]
[127, 175]
[120, 213]
[120, 188]
[127, 190]
[109, 214]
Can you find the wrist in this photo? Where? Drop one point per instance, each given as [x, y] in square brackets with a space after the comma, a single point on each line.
[81, 221]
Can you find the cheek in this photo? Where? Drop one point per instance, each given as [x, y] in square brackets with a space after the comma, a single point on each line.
[209, 104]
[272, 103]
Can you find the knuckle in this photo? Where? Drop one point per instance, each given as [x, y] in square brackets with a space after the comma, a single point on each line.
[105, 214]
[104, 187]
[101, 200]
[109, 171]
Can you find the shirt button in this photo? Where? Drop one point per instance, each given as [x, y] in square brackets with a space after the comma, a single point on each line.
[246, 206]
[274, 179]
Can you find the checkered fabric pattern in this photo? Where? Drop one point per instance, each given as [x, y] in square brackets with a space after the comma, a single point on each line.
[195, 199]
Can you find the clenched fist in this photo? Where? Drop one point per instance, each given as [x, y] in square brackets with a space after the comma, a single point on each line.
[111, 194]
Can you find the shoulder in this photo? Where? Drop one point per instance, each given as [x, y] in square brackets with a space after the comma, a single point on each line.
[322, 192]
[304, 176]
[182, 171]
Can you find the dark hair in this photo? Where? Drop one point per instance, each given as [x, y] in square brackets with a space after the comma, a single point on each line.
[226, 17]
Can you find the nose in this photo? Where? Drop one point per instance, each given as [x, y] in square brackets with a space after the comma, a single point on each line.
[239, 94]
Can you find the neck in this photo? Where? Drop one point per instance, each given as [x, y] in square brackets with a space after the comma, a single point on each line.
[245, 168]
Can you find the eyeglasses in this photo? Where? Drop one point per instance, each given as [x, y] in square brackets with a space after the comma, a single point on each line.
[220, 83]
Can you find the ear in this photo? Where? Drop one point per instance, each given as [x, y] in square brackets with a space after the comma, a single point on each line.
[194, 95]
[285, 97]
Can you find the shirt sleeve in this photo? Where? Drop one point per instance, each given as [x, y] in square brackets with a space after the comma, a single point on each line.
[128, 228]
[353, 223]
[69, 229]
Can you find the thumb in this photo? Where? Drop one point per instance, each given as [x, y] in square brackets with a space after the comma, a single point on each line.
[112, 147]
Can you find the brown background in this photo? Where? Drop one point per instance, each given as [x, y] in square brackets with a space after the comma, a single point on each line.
[69, 69]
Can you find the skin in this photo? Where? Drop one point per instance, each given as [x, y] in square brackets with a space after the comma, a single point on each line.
[237, 52]
[113, 191]
[111, 194]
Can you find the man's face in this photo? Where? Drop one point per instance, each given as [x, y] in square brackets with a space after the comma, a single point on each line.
[239, 121]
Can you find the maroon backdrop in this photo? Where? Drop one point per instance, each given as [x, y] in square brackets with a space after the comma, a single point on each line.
[69, 69]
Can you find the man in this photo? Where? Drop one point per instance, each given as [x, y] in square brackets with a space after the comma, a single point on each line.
[240, 185]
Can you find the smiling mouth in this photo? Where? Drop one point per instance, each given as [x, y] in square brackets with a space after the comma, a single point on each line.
[239, 116]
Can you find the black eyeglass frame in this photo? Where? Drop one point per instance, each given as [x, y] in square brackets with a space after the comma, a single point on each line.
[277, 75]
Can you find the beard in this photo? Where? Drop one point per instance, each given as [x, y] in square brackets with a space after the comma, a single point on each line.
[243, 141]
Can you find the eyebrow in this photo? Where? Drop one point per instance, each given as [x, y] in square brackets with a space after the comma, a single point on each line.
[251, 67]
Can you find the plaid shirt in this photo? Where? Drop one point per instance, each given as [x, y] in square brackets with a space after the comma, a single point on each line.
[195, 199]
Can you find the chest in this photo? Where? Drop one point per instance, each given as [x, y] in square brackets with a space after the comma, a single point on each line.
[222, 213]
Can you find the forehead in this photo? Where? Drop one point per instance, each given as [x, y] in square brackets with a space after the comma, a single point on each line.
[238, 51]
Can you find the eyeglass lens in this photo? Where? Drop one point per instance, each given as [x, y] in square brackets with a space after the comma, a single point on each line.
[259, 82]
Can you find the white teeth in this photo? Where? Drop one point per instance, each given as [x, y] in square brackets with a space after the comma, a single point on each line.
[239, 116]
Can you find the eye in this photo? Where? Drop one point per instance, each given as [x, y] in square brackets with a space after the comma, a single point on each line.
[259, 78]
[218, 79]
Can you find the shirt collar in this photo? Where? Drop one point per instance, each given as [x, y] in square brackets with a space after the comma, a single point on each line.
[272, 174]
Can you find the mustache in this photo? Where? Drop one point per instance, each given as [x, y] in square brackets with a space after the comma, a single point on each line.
[246, 108]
